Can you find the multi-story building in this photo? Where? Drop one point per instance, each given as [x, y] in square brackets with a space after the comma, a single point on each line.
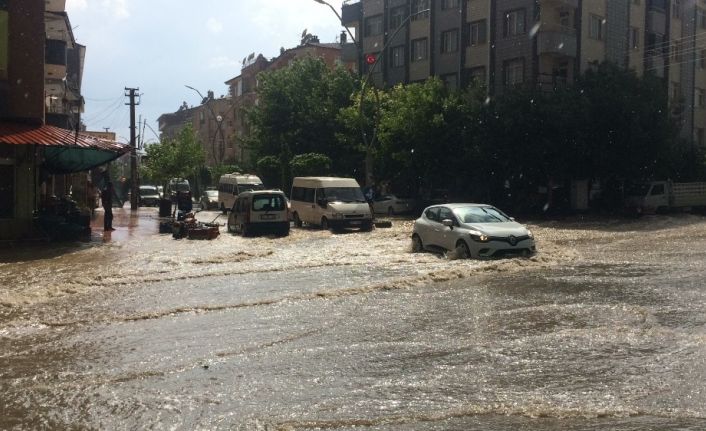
[40, 104]
[547, 43]
[228, 141]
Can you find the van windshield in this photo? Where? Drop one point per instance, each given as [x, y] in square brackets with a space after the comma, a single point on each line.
[249, 187]
[268, 203]
[342, 194]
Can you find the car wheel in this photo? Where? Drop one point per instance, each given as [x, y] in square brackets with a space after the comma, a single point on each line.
[297, 220]
[462, 250]
[324, 223]
[417, 246]
[231, 228]
[223, 209]
[390, 211]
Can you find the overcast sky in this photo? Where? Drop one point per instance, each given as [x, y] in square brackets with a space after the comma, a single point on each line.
[159, 46]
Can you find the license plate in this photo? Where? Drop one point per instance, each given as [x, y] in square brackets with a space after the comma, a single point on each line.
[355, 223]
[268, 217]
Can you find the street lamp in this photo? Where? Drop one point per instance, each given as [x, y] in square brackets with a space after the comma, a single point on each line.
[372, 61]
[217, 157]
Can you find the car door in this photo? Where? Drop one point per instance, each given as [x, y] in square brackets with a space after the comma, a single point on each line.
[449, 235]
[429, 229]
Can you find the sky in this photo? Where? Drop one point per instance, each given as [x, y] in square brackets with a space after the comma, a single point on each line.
[159, 46]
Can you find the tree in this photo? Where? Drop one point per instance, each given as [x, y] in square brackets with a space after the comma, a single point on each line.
[174, 158]
[311, 164]
[297, 112]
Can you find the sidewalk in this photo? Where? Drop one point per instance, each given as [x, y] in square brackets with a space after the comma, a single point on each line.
[128, 224]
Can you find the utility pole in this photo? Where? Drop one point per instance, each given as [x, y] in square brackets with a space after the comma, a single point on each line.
[132, 94]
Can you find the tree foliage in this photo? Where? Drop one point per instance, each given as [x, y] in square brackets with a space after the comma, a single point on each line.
[310, 164]
[174, 158]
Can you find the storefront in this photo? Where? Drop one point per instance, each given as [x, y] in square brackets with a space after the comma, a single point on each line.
[38, 161]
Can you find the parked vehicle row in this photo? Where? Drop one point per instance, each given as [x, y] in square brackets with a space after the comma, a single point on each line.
[471, 230]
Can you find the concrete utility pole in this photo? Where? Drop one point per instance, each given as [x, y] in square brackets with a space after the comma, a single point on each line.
[132, 94]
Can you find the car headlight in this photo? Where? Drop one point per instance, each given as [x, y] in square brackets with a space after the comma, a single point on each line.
[478, 236]
[337, 215]
[530, 234]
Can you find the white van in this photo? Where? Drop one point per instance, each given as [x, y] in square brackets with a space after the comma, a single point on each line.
[261, 211]
[329, 202]
[230, 185]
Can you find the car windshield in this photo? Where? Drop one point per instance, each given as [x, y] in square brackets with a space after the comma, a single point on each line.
[638, 189]
[274, 202]
[480, 215]
[145, 191]
[342, 194]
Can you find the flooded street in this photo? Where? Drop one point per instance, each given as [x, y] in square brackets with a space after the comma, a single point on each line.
[605, 328]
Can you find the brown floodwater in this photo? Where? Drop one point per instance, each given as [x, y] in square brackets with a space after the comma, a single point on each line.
[605, 328]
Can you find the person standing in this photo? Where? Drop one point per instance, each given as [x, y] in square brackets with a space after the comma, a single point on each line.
[107, 200]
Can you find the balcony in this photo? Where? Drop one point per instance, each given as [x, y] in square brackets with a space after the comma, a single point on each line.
[55, 59]
[549, 83]
[349, 53]
[351, 12]
[554, 39]
[559, 4]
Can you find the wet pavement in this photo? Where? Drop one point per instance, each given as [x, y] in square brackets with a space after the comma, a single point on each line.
[605, 328]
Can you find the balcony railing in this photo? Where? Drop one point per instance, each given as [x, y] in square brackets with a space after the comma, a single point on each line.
[547, 82]
[557, 40]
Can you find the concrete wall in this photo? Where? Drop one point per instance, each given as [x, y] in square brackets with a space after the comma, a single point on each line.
[636, 60]
[592, 50]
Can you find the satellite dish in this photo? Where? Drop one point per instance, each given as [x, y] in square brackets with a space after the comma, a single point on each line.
[244, 60]
[251, 56]
[304, 33]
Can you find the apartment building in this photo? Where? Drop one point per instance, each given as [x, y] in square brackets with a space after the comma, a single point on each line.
[40, 104]
[546, 43]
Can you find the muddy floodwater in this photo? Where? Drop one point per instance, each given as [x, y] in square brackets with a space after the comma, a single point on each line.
[603, 329]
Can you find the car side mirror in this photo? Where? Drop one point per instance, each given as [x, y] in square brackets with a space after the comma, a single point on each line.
[322, 202]
[448, 223]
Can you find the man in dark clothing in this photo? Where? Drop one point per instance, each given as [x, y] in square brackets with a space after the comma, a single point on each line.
[107, 200]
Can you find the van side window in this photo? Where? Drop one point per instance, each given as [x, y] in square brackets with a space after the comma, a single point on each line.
[657, 189]
[297, 194]
[309, 195]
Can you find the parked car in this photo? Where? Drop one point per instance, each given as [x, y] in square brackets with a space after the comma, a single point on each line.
[149, 196]
[391, 205]
[259, 211]
[209, 200]
[472, 230]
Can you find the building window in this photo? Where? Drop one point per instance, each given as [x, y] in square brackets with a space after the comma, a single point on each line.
[700, 136]
[701, 17]
[565, 19]
[514, 23]
[4, 25]
[478, 32]
[373, 25]
[397, 54]
[514, 72]
[675, 92]
[7, 190]
[419, 49]
[676, 9]
[700, 98]
[676, 52]
[397, 17]
[449, 41]
[595, 28]
[449, 4]
[702, 59]
[417, 7]
[477, 75]
[634, 37]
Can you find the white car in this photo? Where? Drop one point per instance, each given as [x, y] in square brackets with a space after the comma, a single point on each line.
[391, 205]
[472, 230]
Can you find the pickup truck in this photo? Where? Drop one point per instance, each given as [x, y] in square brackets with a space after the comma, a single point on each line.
[661, 196]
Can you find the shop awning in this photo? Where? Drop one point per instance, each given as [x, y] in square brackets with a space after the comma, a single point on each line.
[65, 151]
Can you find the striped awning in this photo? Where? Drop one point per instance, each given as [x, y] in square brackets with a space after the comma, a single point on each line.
[65, 150]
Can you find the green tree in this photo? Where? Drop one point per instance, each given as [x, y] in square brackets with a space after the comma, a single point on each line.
[310, 164]
[269, 169]
[174, 158]
[297, 112]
